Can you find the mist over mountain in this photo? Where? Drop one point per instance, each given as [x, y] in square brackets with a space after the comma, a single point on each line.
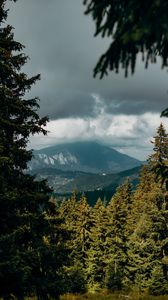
[85, 156]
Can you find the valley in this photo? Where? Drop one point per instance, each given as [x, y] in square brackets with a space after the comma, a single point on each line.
[84, 166]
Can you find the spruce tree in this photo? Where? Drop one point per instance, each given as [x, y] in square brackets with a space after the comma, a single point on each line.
[83, 226]
[27, 216]
[148, 234]
[77, 222]
[159, 159]
[97, 252]
[146, 228]
[159, 164]
[117, 236]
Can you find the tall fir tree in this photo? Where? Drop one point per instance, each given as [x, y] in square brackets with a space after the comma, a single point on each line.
[159, 164]
[144, 226]
[97, 251]
[118, 210]
[82, 230]
[159, 159]
[77, 221]
[148, 240]
[27, 216]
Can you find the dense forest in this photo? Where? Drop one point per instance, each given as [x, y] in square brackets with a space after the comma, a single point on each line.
[48, 249]
[123, 244]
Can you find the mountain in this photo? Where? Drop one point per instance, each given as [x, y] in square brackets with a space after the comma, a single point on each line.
[64, 182]
[90, 157]
[87, 167]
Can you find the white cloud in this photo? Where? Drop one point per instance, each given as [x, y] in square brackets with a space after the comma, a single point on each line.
[128, 134]
[67, 128]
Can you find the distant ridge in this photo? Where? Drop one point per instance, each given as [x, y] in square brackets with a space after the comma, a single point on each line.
[87, 156]
[68, 181]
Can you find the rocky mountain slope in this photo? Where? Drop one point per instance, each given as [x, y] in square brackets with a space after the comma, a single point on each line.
[90, 157]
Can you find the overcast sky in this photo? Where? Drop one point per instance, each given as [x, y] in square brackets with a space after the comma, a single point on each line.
[121, 112]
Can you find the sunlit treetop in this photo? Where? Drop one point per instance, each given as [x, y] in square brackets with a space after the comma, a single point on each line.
[134, 27]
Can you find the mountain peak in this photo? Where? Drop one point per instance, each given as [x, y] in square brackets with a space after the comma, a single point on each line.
[85, 156]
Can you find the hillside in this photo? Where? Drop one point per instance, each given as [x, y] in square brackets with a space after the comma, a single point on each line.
[64, 182]
[89, 157]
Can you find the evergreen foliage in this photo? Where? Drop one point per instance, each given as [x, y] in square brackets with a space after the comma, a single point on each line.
[77, 222]
[123, 245]
[159, 159]
[97, 252]
[32, 249]
[134, 27]
[46, 250]
[118, 210]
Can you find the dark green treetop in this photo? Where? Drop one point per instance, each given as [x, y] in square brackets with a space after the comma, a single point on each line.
[98, 248]
[148, 263]
[159, 159]
[27, 216]
[147, 234]
[118, 210]
[134, 27]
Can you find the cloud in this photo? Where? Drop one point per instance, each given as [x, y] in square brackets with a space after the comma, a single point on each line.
[123, 112]
[129, 134]
[59, 40]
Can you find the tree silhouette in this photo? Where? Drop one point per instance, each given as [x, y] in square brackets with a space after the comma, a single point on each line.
[31, 239]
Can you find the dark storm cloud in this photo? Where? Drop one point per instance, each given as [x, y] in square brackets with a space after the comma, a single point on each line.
[69, 104]
[59, 40]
